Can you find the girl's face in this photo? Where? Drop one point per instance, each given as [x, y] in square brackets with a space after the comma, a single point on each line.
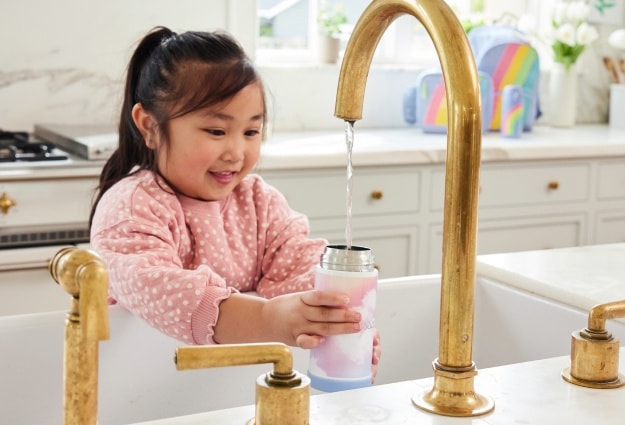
[211, 150]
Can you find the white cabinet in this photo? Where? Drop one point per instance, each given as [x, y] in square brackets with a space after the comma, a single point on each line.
[51, 201]
[46, 210]
[523, 205]
[610, 202]
[385, 210]
[397, 210]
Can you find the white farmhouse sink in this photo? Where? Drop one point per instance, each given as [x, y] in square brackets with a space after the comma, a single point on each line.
[138, 380]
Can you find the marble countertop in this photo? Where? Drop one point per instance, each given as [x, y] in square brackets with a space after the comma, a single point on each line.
[524, 393]
[397, 146]
[411, 146]
[580, 276]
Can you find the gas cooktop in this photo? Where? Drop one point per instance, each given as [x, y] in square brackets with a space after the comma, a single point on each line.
[19, 146]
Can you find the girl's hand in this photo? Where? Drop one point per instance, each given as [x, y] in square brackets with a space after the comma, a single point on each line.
[303, 319]
[377, 353]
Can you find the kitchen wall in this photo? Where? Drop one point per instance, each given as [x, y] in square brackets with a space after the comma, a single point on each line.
[63, 61]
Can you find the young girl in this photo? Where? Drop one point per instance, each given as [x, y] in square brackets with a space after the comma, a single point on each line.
[183, 226]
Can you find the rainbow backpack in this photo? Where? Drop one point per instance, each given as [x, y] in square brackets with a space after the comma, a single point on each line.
[425, 103]
[503, 56]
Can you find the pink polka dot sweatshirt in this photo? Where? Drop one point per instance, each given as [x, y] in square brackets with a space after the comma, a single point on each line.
[172, 259]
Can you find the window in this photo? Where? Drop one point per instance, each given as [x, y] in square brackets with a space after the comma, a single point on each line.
[288, 28]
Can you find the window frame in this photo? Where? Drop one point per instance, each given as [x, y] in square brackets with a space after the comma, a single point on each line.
[389, 52]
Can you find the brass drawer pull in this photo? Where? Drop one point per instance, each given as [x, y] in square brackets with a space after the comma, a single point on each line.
[6, 203]
[376, 194]
[553, 185]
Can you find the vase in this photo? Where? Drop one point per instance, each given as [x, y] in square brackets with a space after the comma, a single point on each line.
[328, 49]
[562, 95]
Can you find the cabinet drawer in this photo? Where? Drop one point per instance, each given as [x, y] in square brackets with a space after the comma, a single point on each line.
[523, 185]
[323, 194]
[71, 199]
[513, 235]
[611, 184]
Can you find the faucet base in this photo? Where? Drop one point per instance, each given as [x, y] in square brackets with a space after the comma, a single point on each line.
[453, 394]
[616, 383]
[594, 360]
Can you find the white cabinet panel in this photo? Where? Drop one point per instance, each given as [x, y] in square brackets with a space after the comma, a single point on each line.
[524, 234]
[611, 184]
[385, 206]
[523, 184]
[610, 227]
[323, 193]
[395, 248]
[60, 201]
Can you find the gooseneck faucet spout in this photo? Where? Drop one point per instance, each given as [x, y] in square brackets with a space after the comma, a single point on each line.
[454, 370]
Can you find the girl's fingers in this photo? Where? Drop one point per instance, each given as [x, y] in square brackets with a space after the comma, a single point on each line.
[328, 306]
[325, 298]
[307, 342]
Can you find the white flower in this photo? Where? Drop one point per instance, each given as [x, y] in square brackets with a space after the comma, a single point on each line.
[577, 11]
[565, 33]
[586, 34]
[560, 12]
[617, 39]
[527, 24]
[570, 31]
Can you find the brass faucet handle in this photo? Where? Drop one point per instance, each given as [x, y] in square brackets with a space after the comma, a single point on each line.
[94, 301]
[600, 313]
[207, 356]
[595, 352]
[83, 275]
[282, 396]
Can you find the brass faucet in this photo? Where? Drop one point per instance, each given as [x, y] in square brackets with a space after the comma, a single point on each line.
[454, 370]
[83, 275]
[282, 395]
[595, 352]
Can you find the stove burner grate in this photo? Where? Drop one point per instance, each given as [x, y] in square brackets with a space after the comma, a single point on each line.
[17, 146]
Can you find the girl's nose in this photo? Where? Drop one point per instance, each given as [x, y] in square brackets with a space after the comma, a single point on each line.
[235, 149]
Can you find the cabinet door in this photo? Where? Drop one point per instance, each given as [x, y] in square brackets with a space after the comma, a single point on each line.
[610, 227]
[71, 199]
[394, 248]
[323, 193]
[523, 234]
[514, 185]
[611, 185]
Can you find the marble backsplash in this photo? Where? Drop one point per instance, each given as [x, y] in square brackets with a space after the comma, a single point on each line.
[70, 71]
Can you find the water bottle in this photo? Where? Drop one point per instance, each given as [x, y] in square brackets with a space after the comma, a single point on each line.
[512, 111]
[343, 362]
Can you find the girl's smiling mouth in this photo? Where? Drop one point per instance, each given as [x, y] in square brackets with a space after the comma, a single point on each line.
[223, 177]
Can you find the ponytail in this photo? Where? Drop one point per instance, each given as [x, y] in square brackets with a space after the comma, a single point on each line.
[131, 151]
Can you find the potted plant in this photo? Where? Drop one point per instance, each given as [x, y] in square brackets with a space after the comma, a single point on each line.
[330, 21]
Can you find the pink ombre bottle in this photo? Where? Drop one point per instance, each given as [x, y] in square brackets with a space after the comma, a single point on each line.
[343, 362]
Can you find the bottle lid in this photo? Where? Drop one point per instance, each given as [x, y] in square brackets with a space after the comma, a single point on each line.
[344, 258]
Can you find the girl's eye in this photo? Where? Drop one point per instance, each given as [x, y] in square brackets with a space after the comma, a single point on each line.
[215, 131]
[252, 133]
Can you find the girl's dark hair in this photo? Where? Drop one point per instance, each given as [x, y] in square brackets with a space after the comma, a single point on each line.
[170, 75]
